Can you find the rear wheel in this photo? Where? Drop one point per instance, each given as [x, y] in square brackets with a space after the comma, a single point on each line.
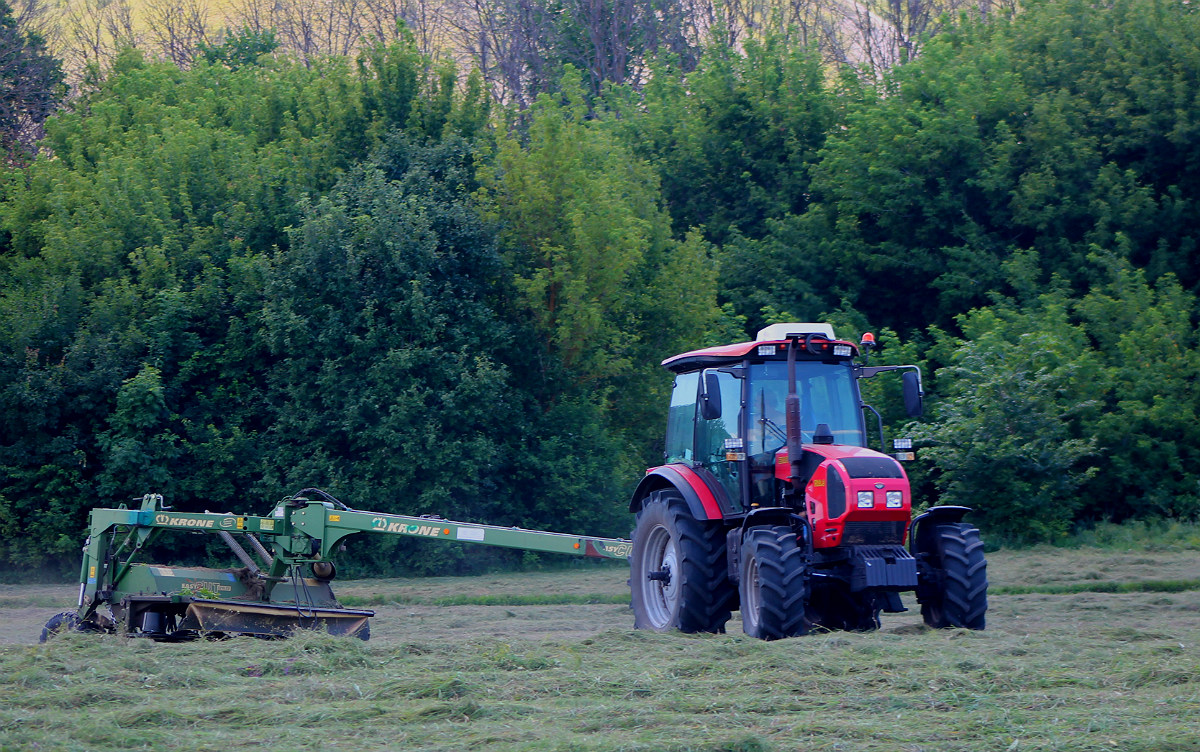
[678, 571]
[773, 584]
[954, 593]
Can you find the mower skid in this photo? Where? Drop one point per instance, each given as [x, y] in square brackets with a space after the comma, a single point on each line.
[269, 620]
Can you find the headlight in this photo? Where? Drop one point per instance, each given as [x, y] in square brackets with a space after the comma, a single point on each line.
[866, 499]
[895, 499]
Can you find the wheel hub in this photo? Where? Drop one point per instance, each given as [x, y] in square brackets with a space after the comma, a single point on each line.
[752, 595]
[662, 587]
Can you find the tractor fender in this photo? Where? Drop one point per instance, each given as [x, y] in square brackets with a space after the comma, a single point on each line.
[702, 497]
[785, 516]
[934, 516]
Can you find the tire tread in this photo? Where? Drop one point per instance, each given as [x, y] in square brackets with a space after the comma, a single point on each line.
[962, 598]
[707, 597]
[783, 584]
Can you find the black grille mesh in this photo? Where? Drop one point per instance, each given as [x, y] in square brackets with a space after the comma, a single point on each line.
[873, 533]
[872, 467]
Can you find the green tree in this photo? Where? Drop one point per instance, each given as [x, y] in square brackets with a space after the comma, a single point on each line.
[1149, 432]
[31, 84]
[1066, 411]
[1009, 438]
[239, 48]
[734, 140]
[604, 293]
[143, 252]
[385, 380]
[1045, 134]
[138, 446]
[610, 293]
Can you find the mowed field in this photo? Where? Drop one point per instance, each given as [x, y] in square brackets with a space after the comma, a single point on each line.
[549, 661]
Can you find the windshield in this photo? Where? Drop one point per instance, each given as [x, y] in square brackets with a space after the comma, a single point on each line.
[827, 395]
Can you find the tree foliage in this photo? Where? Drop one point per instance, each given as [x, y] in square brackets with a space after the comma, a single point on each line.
[258, 272]
[31, 84]
[734, 140]
[1000, 157]
[1008, 435]
[1148, 433]
[607, 289]
[158, 271]
[1066, 409]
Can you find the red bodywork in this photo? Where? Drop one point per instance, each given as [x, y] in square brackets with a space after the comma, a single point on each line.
[827, 530]
[666, 476]
[711, 508]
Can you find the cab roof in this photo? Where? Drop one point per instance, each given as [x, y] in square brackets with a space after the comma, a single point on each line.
[776, 334]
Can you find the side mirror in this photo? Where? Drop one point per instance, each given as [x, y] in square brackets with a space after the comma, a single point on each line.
[710, 397]
[914, 403]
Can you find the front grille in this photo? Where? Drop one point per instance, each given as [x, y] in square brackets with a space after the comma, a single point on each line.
[872, 467]
[873, 533]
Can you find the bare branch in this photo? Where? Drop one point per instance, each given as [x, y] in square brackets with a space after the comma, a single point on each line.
[177, 27]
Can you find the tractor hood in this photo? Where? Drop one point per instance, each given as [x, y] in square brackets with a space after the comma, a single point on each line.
[855, 492]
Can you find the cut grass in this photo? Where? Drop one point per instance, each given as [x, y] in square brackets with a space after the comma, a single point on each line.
[566, 599]
[1147, 586]
[510, 599]
[1139, 535]
[1059, 668]
[619, 690]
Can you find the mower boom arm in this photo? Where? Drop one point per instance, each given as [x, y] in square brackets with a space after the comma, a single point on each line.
[298, 531]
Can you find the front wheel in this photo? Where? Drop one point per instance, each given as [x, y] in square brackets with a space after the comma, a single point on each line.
[954, 590]
[678, 572]
[66, 621]
[774, 584]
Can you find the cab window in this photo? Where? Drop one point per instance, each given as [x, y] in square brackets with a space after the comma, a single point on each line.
[681, 418]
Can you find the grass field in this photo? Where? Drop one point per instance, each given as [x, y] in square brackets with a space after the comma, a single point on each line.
[548, 661]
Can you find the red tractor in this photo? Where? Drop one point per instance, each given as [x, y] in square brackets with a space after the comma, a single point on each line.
[771, 501]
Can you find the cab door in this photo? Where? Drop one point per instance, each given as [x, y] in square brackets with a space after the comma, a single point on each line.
[720, 446]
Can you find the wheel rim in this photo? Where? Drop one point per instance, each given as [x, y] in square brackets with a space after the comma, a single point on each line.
[751, 596]
[662, 597]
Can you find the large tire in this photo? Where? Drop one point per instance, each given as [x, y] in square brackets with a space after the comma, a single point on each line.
[773, 584]
[691, 590]
[955, 595]
[66, 621]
